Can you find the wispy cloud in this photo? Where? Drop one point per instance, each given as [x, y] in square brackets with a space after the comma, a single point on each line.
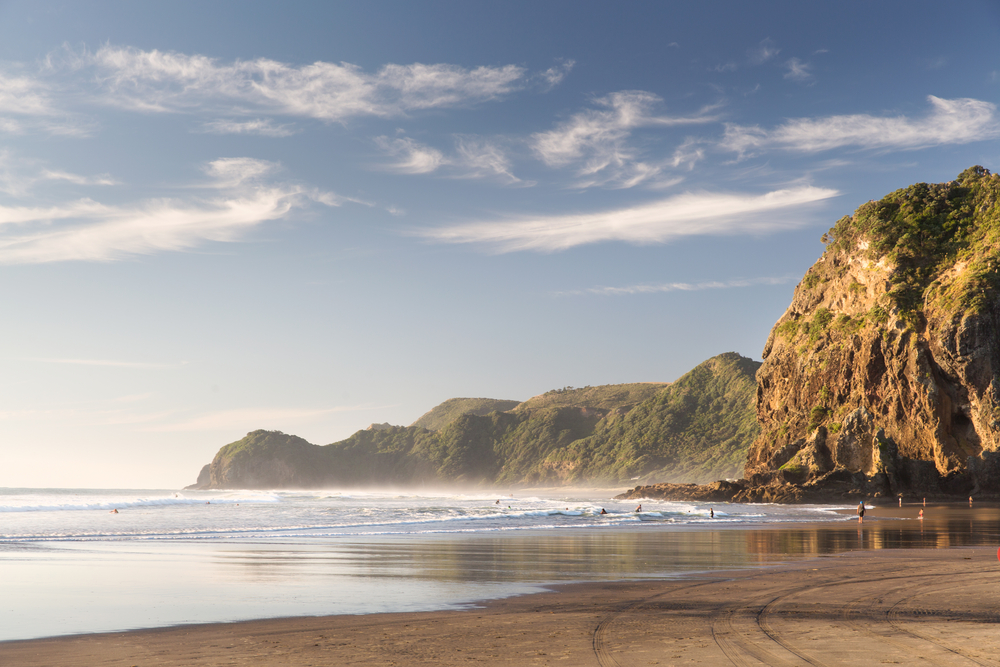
[482, 158]
[763, 52]
[264, 127]
[660, 221]
[86, 230]
[159, 81]
[18, 176]
[473, 157]
[411, 156]
[798, 70]
[957, 121]
[595, 142]
[553, 76]
[26, 104]
[657, 288]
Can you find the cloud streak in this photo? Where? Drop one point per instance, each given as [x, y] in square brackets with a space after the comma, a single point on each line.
[957, 121]
[660, 288]
[264, 127]
[158, 81]
[659, 221]
[86, 230]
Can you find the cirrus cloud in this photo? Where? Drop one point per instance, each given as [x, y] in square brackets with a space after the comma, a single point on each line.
[87, 230]
[661, 221]
[162, 81]
[957, 121]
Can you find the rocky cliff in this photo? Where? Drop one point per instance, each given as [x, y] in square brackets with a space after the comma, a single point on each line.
[881, 376]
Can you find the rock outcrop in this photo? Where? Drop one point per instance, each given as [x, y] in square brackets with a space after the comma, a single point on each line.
[881, 377]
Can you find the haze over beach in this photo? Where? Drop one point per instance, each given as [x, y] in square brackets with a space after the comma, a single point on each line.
[310, 218]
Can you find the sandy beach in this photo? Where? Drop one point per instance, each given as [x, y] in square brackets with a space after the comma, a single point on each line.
[927, 606]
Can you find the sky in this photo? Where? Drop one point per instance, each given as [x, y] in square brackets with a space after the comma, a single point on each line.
[311, 216]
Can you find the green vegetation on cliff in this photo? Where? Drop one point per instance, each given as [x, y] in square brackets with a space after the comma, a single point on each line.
[693, 430]
[453, 408]
[925, 228]
[607, 397]
[696, 429]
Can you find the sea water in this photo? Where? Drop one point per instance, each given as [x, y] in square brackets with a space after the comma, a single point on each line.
[94, 560]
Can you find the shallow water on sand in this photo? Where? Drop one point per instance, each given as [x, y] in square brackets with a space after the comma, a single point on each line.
[69, 565]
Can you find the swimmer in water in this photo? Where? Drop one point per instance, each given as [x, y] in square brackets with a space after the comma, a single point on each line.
[639, 508]
[603, 511]
[711, 513]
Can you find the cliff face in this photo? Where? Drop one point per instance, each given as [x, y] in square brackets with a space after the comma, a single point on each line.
[886, 361]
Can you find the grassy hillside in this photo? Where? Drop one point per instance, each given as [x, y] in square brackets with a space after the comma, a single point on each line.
[453, 408]
[607, 397]
[695, 430]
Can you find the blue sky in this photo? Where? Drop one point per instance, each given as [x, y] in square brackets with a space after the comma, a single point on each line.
[218, 217]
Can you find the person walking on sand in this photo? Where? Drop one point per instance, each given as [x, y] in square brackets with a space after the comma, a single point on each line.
[861, 512]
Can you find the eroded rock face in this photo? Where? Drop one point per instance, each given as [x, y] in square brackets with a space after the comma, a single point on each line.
[889, 348]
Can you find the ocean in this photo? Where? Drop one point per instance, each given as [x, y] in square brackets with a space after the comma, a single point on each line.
[99, 560]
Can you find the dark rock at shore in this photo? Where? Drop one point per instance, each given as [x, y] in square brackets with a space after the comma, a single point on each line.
[813, 480]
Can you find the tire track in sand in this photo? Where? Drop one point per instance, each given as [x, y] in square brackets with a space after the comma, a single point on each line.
[600, 638]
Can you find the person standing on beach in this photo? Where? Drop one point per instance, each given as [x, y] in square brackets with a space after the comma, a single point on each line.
[861, 511]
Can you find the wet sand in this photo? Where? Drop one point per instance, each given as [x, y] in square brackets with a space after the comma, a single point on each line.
[909, 606]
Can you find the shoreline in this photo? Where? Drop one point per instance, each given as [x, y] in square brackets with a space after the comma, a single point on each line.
[875, 606]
